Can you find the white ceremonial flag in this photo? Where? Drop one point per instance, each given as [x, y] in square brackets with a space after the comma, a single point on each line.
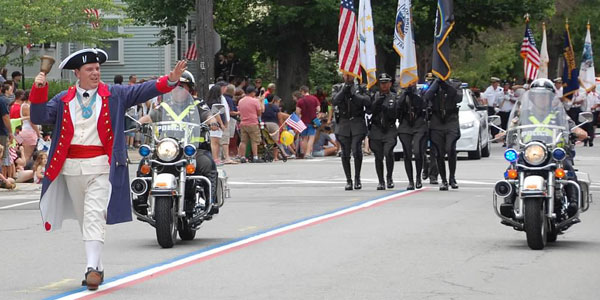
[367, 42]
[544, 58]
[404, 44]
[587, 74]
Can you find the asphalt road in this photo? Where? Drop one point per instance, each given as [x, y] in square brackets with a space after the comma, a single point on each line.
[425, 245]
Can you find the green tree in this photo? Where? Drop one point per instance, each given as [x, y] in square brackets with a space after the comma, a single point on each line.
[47, 21]
[289, 30]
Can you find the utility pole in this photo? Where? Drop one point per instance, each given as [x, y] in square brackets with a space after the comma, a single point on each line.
[205, 46]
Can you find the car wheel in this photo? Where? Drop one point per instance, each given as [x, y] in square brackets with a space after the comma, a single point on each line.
[477, 153]
[485, 152]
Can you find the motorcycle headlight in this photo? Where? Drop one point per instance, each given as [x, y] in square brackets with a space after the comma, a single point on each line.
[535, 154]
[467, 125]
[167, 150]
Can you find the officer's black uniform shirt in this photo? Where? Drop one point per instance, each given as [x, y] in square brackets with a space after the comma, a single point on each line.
[411, 113]
[384, 108]
[351, 104]
[444, 99]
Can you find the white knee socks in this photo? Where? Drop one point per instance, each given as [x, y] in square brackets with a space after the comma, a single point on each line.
[93, 251]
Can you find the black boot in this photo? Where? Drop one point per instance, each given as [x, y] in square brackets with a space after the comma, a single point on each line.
[348, 185]
[347, 172]
[433, 180]
[411, 186]
[390, 183]
[357, 184]
[444, 185]
[419, 184]
[453, 183]
[381, 186]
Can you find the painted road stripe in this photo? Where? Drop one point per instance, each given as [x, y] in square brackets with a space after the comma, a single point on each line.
[143, 274]
[19, 204]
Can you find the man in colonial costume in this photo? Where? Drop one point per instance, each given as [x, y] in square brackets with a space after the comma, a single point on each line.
[86, 176]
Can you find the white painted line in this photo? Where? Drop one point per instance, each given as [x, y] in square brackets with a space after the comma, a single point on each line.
[194, 257]
[19, 204]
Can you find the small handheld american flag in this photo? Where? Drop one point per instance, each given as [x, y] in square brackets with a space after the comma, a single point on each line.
[295, 122]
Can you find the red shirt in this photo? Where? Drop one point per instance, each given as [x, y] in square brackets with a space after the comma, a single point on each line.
[308, 108]
[15, 111]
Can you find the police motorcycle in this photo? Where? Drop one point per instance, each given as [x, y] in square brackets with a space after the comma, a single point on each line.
[167, 193]
[540, 174]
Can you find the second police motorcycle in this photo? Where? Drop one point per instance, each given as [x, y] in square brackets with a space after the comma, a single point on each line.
[543, 194]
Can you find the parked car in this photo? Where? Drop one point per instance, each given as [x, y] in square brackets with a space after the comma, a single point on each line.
[473, 119]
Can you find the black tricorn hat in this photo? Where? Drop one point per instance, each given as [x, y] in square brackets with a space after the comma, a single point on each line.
[82, 57]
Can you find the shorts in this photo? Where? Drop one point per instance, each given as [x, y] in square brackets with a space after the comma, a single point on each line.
[27, 138]
[250, 132]
[216, 133]
[318, 153]
[273, 129]
[4, 156]
[309, 131]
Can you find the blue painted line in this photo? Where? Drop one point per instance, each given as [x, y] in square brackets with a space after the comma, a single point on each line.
[142, 269]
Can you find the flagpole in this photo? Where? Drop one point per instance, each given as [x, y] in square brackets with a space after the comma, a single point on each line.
[22, 68]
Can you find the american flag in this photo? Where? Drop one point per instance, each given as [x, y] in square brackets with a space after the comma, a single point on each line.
[530, 55]
[191, 53]
[348, 54]
[295, 122]
[95, 14]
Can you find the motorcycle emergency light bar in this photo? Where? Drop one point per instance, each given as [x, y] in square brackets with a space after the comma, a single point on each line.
[144, 150]
[559, 154]
[511, 155]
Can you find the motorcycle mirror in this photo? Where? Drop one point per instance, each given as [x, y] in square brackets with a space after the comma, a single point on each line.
[585, 117]
[494, 120]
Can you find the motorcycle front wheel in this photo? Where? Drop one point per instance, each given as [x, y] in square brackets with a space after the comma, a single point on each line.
[166, 229]
[536, 223]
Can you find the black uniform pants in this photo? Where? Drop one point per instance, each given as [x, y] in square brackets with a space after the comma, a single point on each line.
[573, 113]
[384, 148]
[430, 162]
[444, 143]
[351, 144]
[493, 130]
[503, 119]
[413, 144]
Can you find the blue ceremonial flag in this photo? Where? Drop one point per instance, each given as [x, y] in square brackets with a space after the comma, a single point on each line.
[570, 76]
[444, 22]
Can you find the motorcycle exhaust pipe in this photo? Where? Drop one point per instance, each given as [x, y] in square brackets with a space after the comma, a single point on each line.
[139, 186]
[503, 188]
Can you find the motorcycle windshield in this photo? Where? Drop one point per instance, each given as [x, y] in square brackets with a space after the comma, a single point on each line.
[179, 117]
[538, 116]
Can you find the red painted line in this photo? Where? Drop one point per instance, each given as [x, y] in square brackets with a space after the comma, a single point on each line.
[199, 260]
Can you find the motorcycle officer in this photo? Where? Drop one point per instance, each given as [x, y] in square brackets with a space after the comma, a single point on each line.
[205, 164]
[351, 104]
[542, 96]
[383, 131]
[444, 126]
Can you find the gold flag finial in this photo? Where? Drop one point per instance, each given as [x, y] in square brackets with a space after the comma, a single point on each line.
[526, 16]
[588, 25]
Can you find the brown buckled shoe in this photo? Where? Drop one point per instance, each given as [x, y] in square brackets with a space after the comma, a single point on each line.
[93, 278]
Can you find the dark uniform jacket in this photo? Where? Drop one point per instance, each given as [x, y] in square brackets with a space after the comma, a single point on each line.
[411, 113]
[351, 104]
[444, 99]
[384, 108]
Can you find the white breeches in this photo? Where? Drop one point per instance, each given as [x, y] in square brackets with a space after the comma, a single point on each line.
[90, 195]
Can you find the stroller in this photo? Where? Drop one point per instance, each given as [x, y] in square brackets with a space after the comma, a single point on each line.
[268, 144]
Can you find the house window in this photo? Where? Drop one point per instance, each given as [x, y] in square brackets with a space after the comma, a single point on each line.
[114, 47]
[180, 43]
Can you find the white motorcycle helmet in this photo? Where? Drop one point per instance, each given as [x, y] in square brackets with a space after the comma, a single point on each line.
[542, 93]
[544, 84]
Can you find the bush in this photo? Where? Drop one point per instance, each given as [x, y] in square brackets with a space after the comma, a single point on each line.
[54, 86]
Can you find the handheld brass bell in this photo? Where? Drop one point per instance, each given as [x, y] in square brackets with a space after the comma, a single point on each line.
[47, 63]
